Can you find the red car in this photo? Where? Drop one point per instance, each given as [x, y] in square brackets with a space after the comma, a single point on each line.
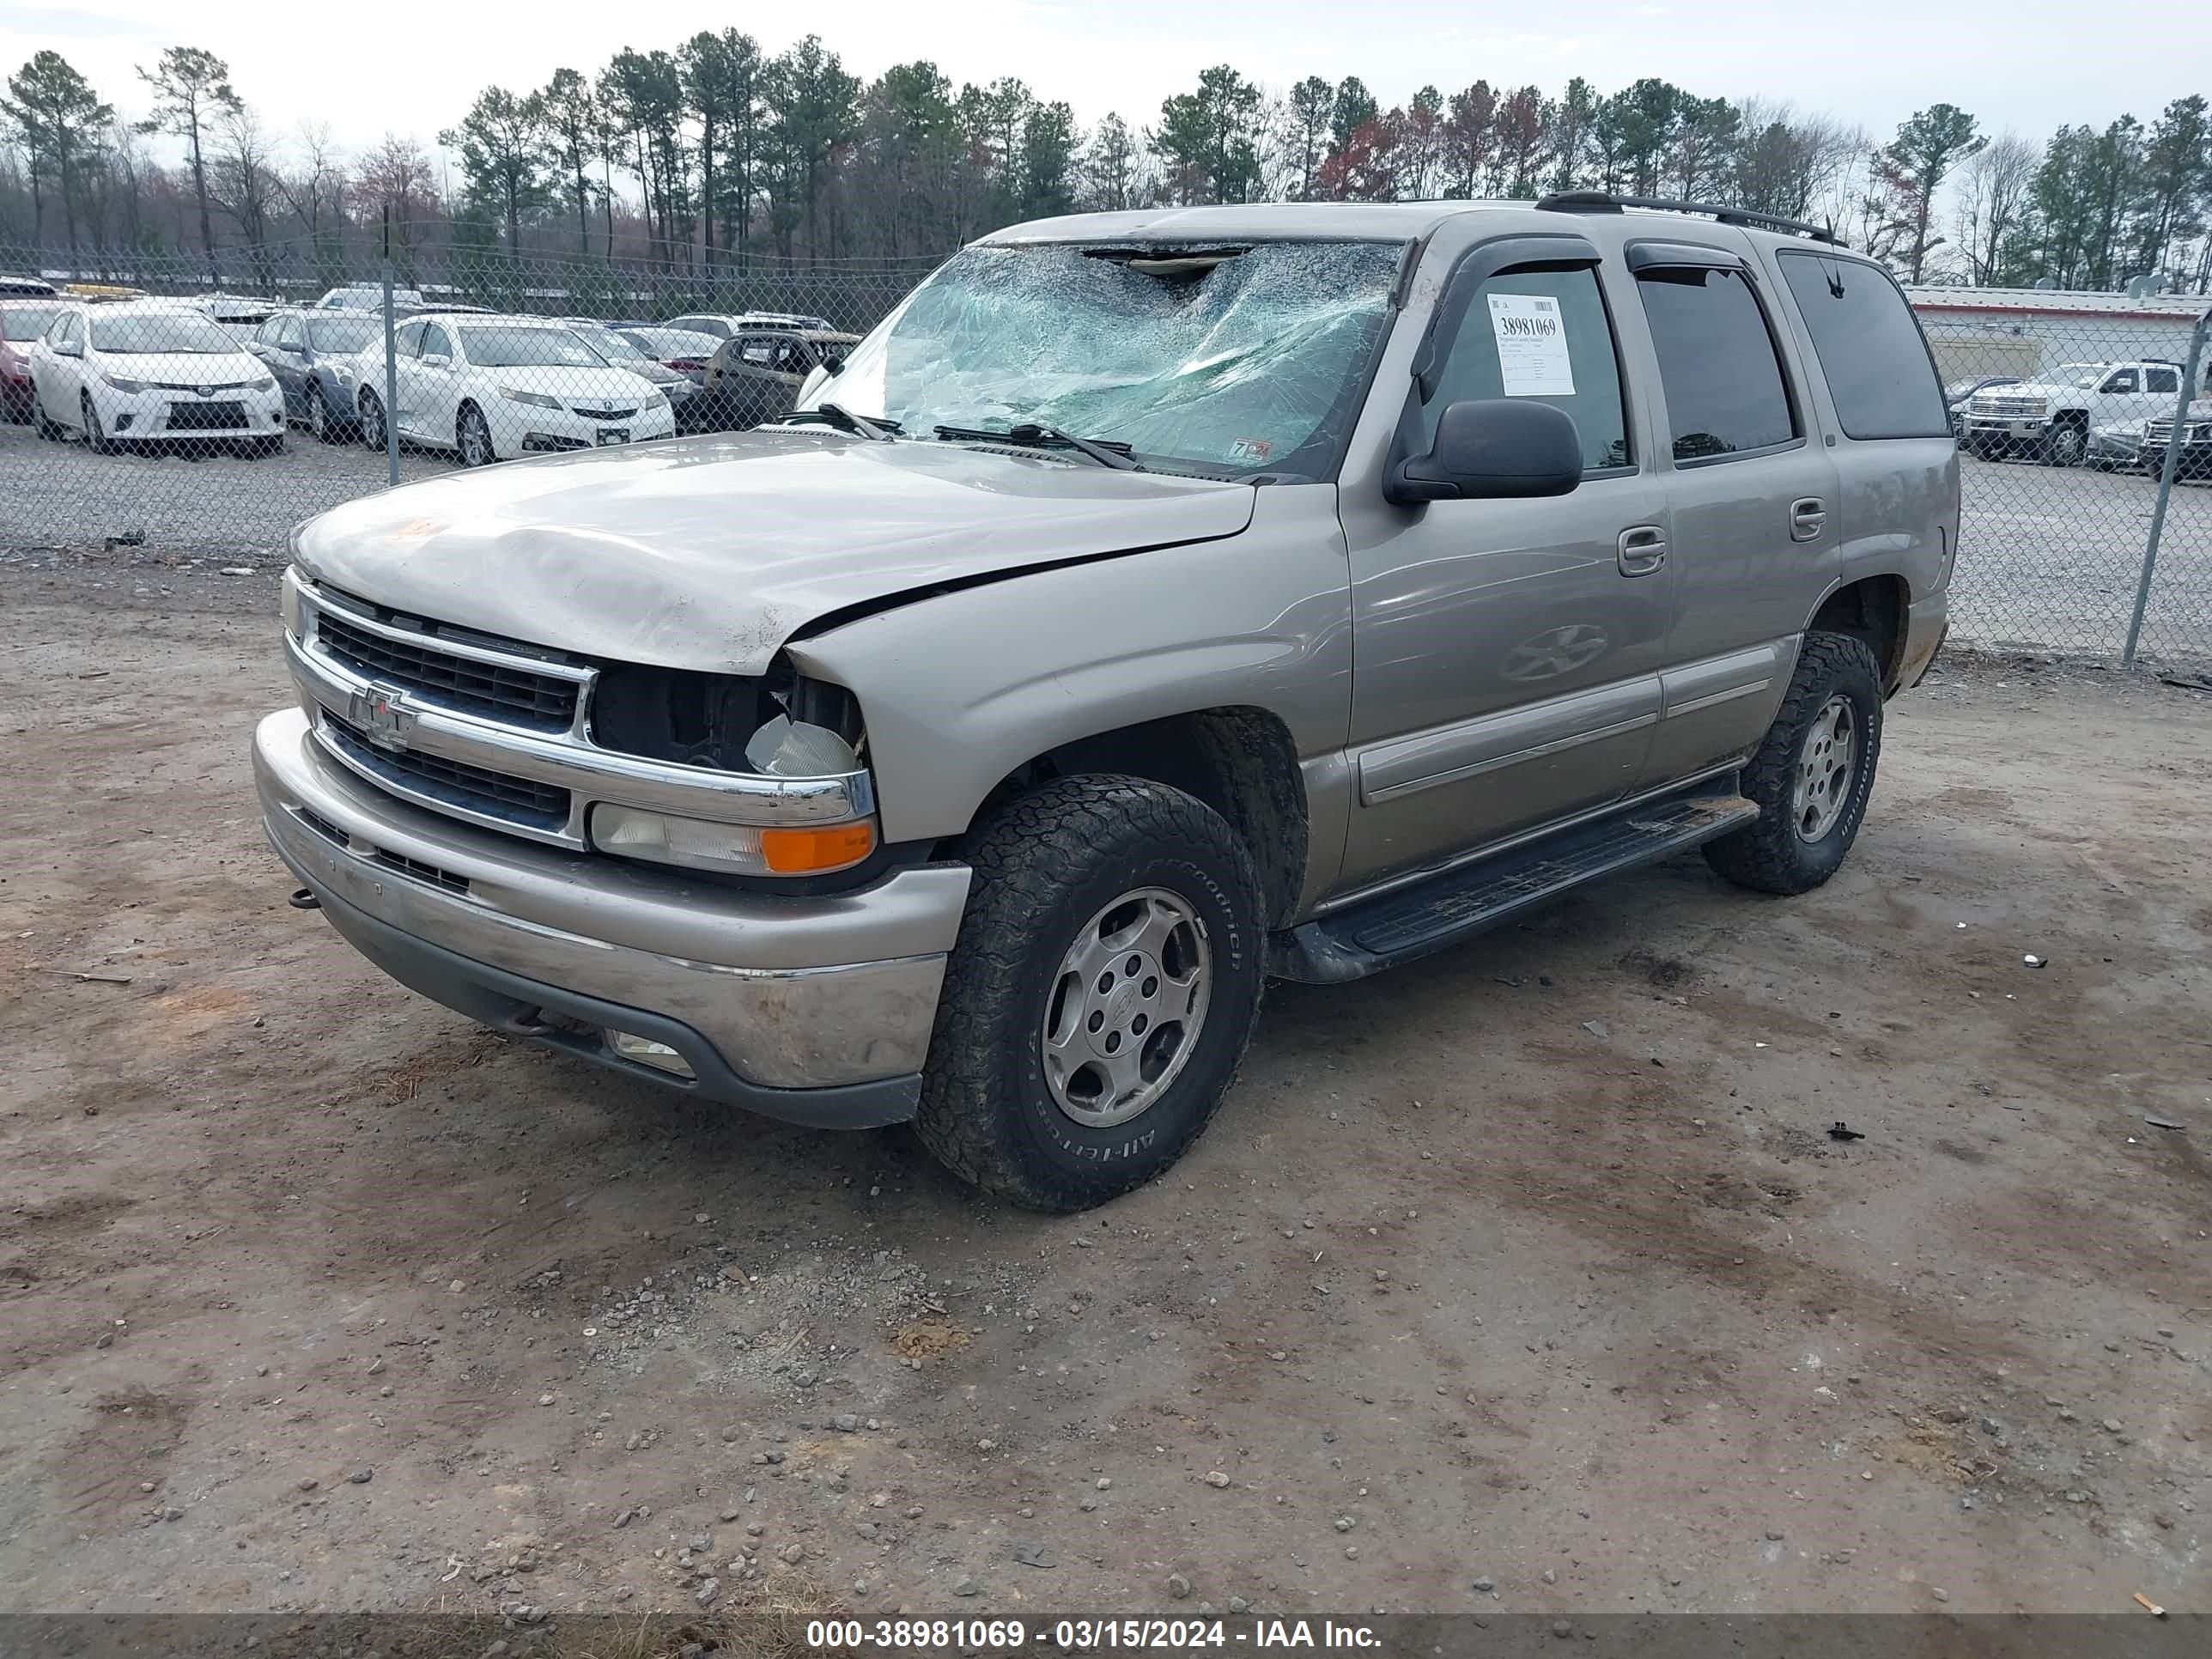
[21, 322]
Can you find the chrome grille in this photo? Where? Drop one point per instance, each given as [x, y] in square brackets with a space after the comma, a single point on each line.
[455, 783]
[545, 702]
[1986, 405]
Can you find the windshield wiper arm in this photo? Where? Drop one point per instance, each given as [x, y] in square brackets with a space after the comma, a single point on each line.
[1032, 433]
[879, 430]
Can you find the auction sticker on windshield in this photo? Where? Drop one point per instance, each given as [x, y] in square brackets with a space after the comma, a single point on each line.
[1532, 346]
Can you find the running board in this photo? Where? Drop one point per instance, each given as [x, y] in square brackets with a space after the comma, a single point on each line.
[1457, 903]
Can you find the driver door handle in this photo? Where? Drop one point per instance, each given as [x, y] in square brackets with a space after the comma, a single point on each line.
[1642, 550]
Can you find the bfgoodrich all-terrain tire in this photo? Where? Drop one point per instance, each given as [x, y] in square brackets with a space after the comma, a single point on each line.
[1104, 985]
[1812, 774]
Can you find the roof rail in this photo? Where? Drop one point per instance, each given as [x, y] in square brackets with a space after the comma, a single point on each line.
[1602, 201]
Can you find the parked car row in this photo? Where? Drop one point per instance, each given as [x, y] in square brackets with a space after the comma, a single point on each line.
[484, 385]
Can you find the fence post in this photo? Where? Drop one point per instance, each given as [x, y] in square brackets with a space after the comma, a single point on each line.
[390, 369]
[2175, 444]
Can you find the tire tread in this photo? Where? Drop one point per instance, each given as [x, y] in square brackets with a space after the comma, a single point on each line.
[1021, 856]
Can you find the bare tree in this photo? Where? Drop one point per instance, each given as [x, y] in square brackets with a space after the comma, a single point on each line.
[1996, 187]
[243, 182]
[315, 190]
[191, 88]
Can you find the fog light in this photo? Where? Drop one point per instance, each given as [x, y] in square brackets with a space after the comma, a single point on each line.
[646, 1051]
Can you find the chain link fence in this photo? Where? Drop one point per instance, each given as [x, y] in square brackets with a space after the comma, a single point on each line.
[150, 402]
[153, 403]
[2065, 424]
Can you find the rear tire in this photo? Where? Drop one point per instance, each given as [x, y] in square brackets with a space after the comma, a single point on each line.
[1026, 1094]
[1808, 816]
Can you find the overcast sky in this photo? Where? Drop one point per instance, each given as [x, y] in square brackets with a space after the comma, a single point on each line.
[2024, 64]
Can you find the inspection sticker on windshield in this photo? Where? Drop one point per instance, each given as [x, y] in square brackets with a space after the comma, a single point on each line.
[1250, 452]
[1532, 346]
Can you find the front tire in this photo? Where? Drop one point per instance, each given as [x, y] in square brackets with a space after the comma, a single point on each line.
[321, 424]
[1103, 987]
[472, 438]
[372, 420]
[49, 430]
[2065, 445]
[1812, 774]
[95, 434]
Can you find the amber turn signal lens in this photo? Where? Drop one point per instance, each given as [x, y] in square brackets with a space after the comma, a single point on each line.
[796, 852]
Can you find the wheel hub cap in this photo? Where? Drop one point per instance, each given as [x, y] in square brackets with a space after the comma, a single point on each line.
[1126, 1007]
[1826, 766]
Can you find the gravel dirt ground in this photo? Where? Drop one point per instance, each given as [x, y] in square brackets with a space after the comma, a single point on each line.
[1525, 1277]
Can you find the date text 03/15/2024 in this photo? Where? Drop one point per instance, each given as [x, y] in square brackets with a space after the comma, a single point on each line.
[1084, 1635]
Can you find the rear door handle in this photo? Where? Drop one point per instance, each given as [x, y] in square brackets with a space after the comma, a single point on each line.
[1642, 550]
[1809, 519]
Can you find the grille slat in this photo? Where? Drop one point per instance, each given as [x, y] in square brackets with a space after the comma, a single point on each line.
[545, 702]
[495, 794]
[421, 871]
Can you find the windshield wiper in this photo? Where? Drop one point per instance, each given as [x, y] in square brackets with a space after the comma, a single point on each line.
[1036, 433]
[879, 430]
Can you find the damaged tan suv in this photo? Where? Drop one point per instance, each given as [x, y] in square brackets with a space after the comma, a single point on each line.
[1153, 603]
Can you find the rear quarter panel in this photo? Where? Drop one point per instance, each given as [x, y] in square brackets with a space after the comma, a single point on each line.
[1897, 502]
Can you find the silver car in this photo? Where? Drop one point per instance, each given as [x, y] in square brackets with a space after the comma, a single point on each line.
[1154, 603]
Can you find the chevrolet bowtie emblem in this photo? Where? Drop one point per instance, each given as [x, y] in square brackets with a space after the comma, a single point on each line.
[383, 716]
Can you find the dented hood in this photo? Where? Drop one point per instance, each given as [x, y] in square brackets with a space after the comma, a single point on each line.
[709, 553]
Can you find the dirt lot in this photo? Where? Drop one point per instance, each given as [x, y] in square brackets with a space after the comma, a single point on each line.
[1527, 1277]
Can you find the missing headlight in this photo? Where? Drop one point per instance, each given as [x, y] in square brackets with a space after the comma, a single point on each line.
[710, 720]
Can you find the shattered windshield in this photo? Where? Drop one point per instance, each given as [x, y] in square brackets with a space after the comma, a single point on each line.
[1226, 360]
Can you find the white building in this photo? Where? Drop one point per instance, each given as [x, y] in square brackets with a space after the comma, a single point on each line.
[2027, 333]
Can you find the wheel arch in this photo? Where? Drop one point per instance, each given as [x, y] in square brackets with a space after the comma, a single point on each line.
[1872, 609]
[1238, 759]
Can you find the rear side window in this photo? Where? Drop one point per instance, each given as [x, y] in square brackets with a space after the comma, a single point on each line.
[1543, 335]
[2162, 379]
[1717, 367]
[1871, 349]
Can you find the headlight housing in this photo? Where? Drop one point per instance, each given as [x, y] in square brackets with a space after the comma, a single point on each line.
[739, 848]
[266, 383]
[124, 383]
[535, 399]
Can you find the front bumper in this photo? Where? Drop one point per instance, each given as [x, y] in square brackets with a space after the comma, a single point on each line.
[2196, 461]
[527, 429]
[155, 414]
[817, 1011]
[2005, 429]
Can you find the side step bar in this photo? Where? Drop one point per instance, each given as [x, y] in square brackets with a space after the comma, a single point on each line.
[1458, 902]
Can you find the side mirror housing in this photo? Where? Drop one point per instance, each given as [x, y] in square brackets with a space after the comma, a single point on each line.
[68, 349]
[436, 359]
[1492, 448]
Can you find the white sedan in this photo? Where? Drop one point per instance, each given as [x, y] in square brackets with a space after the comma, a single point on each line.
[491, 389]
[120, 374]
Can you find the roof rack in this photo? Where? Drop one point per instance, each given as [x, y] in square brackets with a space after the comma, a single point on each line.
[1602, 201]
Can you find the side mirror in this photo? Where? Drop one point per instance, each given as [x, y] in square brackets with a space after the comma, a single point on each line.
[1492, 448]
[436, 359]
[68, 349]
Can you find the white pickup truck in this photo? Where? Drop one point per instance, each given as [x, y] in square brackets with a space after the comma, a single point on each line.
[2051, 419]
